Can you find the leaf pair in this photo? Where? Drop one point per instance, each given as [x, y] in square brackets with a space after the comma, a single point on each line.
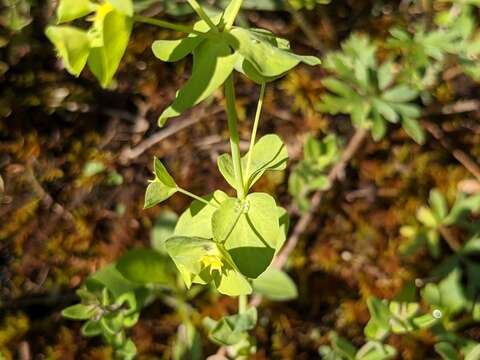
[161, 188]
[268, 154]
[257, 53]
[369, 94]
[102, 46]
[233, 329]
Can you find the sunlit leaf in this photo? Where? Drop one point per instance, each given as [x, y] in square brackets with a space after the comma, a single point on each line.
[72, 46]
[69, 10]
[275, 285]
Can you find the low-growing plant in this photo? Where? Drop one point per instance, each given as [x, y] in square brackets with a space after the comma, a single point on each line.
[369, 92]
[310, 173]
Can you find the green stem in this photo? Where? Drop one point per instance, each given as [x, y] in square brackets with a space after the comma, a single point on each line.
[200, 12]
[234, 138]
[254, 133]
[242, 304]
[196, 197]
[233, 15]
[166, 24]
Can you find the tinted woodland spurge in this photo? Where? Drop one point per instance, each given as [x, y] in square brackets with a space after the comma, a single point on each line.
[227, 242]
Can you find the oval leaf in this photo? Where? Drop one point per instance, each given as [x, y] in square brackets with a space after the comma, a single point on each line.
[145, 266]
[275, 285]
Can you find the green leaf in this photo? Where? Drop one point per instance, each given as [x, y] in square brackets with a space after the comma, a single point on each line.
[385, 75]
[72, 46]
[146, 266]
[123, 6]
[338, 87]
[474, 353]
[202, 261]
[413, 129]
[266, 53]
[342, 346]
[127, 350]
[196, 221]
[426, 217]
[379, 324]
[248, 231]
[91, 328]
[79, 312]
[230, 330]
[268, 153]
[212, 64]
[112, 32]
[188, 252]
[232, 283]
[69, 10]
[447, 351]
[385, 110]
[438, 204]
[163, 228]
[462, 206]
[161, 188]
[113, 280]
[379, 127]
[225, 165]
[400, 94]
[174, 50]
[275, 285]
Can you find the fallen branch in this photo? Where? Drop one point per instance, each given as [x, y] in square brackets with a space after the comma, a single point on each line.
[458, 154]
[129, 154]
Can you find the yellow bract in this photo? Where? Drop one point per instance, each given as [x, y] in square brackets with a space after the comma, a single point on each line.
[213, 261]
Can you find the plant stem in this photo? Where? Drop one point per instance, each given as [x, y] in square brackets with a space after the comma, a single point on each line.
[234, 138]
[233, 15]
[166, 24]
[242, 304]
[200, 12]
[254, 133]
[196, 197]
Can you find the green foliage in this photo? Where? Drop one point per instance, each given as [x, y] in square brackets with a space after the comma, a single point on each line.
[395, 317]
[275, 285]
[257, 53]
[102, 46]
[109, 303]
[367, 92]
[146, 266]
[310, 173]
[268, 154]
[161, 188]
[434, 219]
[233, 329]
[342, 349]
